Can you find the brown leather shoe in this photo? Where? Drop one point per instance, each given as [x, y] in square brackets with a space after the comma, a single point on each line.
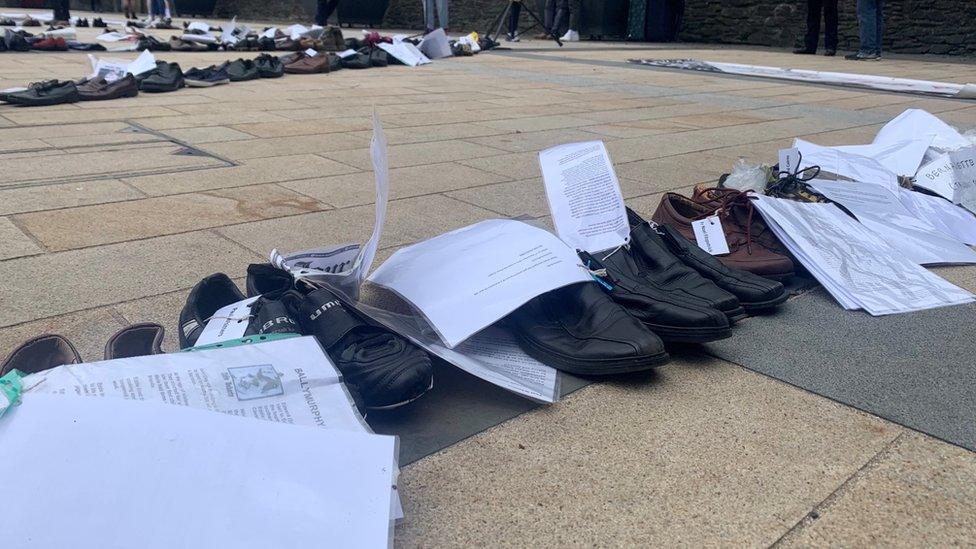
[41, 353]
[752, 246]
[302, 63]
[98, 89]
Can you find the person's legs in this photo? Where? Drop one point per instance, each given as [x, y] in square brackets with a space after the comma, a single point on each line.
[442, 13]
[879, 25]
[830, 25]
[867, 11]
[575, 7]
[550, 14]
[323, 10]
[429, 15]
[812, 37]
[513, 19]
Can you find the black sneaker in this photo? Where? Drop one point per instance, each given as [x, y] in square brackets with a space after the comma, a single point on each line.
[269, 66]
[385, 369]
[98, 23]
[82, 23]
[166, 77]
[52, 92]
[240, 70]
[205, 299]
[266, 44]
[205, 78]
[16, 41]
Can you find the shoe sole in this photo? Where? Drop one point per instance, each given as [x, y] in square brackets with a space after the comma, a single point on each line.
[206, 84]
[763, 305]
[689, 335]
[737, 314]
[574, 365]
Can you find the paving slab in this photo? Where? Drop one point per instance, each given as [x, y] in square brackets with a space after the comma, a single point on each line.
[87, 330]
[67, 195]
[919, 491]
[14, 242]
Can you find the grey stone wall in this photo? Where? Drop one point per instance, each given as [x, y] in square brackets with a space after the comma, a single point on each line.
[911, 26]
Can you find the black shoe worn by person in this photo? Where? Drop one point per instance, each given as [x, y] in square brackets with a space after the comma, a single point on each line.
[804, 51]
[661, 268]
[830, 52]
[136, 340]
[240, 70]
[385, 369]
[39, 354]
[99, 89]
[269, 66]
[52, 92]
[166, 77]
[580, 330]
[755, 293]
[672, 316]
[206, 77]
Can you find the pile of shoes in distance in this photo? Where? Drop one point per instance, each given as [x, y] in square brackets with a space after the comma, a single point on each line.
[660, 288]
[55, 38]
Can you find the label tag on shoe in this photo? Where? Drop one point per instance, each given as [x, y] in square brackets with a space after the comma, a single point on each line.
[229, 322]
[710, 235]
[311, 53]
[789, 159]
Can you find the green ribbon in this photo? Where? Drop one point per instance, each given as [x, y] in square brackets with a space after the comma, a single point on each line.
[11, 387]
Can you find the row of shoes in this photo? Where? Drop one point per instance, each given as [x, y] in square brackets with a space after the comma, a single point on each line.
[660, 288]
[29, 22]
[51, 350]
[22, 41]
[382, 369]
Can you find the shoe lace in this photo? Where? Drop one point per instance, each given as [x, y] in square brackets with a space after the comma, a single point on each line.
[724, 202]
[794, 182]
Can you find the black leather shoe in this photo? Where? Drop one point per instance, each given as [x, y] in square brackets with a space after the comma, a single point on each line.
[267, 280]
[136, 340]
[663, 269]
[830, 52]
[580, 330]
[209, 295]
[673, 317]
[39, 354]
[385, 369]
[755, 293]
[804, 51]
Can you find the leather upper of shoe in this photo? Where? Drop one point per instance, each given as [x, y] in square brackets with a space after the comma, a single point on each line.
[206, 297]
[97, 87]
[41, 353]
[580, 322]
[658, 264]
[135, 340]
[305, 63]
[385, 368]
[267, 280]
[752, 246]
[650, 303]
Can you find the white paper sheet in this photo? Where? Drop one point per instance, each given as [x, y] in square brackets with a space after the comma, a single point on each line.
[953, 176]
[405, 52]
[155, 476]
[199, 38]
[435, 45]
[348, 281]
[899, 157]
[286, 381]
[882, 212]
[465, 280]
[584, 196]
[858, 268]
[852, 166]
[941, 214]
[199, 25]
[915, 123]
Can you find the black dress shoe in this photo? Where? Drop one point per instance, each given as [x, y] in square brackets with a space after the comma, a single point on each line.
[804, 51]
[267, 280]
[52, 92]
[385, 369]
[580, 330]
[137, 340]
[672, 316]
[830, 52]
[754, 292]
[663, 269]
[39, 354]
[209, 295]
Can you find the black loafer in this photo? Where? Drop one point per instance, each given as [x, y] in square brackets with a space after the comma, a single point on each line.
[754, 292]
[580, 330]
[209, 295]
[385, 369]
[137, 340]
[39, 354]
[672, 316]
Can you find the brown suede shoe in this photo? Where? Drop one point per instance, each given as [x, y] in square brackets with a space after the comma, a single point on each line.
[302, 63]
[752, 246]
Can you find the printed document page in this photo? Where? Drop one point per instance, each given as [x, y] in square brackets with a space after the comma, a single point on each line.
[842, 254]
[465, 280]
[584, 196]
[287, 381]
[118, 473]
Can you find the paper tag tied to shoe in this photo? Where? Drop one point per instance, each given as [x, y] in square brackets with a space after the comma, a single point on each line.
[311, 52]
[710, 235]
[229, 322]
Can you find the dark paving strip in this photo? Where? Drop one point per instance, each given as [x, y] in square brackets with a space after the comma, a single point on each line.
[916, 369]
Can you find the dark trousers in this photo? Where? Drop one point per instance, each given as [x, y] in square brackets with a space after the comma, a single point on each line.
[829, 9]
[513, 18]
[323, 10]
[61, 12]
[555, 11]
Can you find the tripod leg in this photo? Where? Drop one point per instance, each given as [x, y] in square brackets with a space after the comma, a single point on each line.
[502, 18]
[543, 25]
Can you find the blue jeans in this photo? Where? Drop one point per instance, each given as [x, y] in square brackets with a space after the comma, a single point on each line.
[870, 23]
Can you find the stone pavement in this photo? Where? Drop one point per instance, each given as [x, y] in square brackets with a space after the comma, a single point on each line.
[110, 212]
